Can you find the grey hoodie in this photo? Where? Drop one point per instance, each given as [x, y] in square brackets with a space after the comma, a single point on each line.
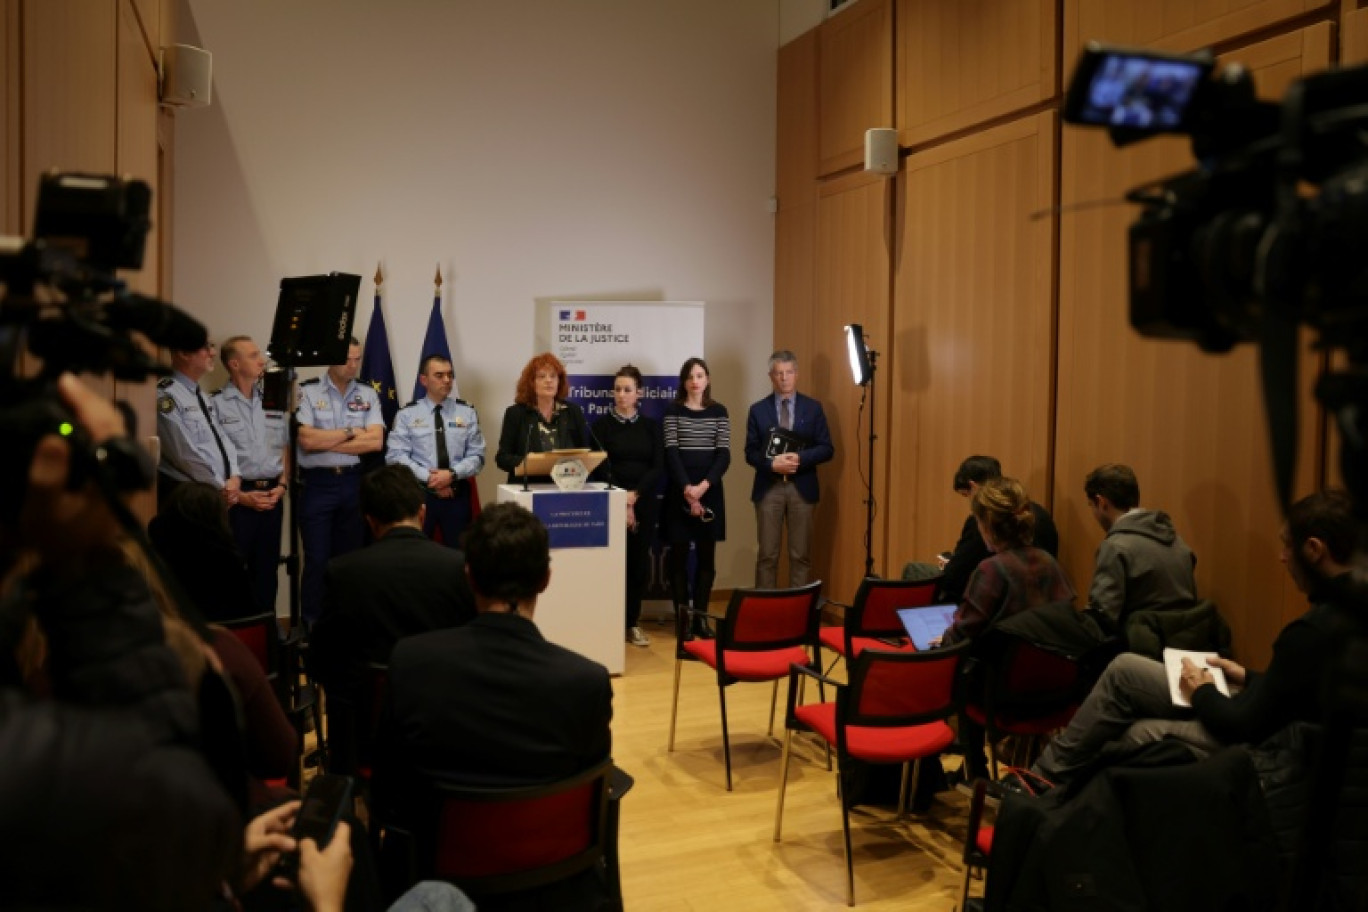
[1142, 564]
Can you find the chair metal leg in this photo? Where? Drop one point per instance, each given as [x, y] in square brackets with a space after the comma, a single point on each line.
[726, 741]
[834, 659]
[850, 864]
[783, 782]
[774, 702]
[902, 790]
[674, 705]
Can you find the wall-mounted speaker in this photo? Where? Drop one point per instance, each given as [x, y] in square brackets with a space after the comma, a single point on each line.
[881, 150]
[186, 76]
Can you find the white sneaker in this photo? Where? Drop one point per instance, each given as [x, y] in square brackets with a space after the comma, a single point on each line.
[637, 637]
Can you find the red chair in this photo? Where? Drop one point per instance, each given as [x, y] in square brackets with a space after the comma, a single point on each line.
[280, 660]
[763, 633]
[892, 711]
[978, 841]
[872, 621]
[493, 841]
[1026, 691]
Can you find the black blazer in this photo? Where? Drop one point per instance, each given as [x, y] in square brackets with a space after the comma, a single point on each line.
[399, 586]
[491, 703]
[809, 421]
[519, 421]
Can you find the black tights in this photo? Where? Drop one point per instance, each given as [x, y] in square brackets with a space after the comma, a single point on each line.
[705, 571]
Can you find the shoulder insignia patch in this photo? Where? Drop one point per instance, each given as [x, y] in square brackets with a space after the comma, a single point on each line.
[164, 382]
[166, 404]
[307, 382]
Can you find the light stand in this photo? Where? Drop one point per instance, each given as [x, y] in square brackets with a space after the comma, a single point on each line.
[863, 363]
[312, 328]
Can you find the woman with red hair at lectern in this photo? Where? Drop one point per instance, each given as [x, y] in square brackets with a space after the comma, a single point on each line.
[540, 419]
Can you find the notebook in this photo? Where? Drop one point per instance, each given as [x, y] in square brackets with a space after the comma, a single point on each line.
[925, 624]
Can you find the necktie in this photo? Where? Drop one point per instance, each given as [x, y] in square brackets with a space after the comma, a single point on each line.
[227, 468]
[443, 457]
[785, 417]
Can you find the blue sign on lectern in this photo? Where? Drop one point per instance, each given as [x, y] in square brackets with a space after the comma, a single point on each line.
[574, 520]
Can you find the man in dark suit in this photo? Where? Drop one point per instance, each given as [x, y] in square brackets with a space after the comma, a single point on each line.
[492, 703]
[402, 584]
[786, 439]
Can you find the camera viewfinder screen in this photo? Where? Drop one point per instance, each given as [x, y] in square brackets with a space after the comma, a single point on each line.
[1141, 93]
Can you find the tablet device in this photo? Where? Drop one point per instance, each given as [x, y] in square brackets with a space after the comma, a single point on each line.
[925, 624]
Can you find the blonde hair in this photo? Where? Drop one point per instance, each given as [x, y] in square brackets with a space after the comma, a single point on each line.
[1004, 509]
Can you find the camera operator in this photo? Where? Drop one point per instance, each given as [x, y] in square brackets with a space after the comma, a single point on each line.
[104, 801]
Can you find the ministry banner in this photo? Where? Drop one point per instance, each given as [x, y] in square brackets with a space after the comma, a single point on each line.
[594, 338]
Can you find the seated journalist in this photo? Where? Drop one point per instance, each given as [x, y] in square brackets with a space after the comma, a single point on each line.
[1131, 704]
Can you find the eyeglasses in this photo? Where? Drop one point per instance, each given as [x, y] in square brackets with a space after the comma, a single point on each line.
[707, 516]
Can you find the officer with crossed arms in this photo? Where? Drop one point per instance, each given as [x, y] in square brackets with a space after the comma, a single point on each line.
[439, 439]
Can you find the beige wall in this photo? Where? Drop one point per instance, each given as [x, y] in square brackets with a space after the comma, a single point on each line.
[536, 150]
[1004, 322]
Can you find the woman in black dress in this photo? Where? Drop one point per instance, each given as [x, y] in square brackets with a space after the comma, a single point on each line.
[636, 461]
[540, 420]
[697, 453]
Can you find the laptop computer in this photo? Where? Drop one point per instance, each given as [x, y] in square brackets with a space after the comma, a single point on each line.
[925, 624]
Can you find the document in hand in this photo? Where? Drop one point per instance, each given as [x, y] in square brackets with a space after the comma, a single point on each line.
[1173, 666]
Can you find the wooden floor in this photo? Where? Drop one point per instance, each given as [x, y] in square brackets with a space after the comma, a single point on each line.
[688, 844]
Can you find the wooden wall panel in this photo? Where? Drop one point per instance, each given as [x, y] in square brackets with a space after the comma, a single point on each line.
[69, 89]
[1354, 36]
[973, 326]
[136, 155]
[855, 81]
[796, 190]
[853, 264]
[795, 279]
[149, 18]
[11, 120]
[80, 94]
[1176, 25]
[964, 63]
[795, 178]
[136, 130]
[1192, 425]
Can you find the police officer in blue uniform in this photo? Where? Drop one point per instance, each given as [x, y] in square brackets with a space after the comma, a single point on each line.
[339, 419]
[261, 440]
[193, 445]
[439, 439]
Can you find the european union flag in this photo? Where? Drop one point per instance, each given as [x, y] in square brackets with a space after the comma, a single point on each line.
[377, 367]
[434, 343]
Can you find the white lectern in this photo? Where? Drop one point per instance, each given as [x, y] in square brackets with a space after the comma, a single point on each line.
[584, 607]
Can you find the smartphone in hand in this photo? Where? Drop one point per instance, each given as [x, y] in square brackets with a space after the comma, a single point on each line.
[326, 800]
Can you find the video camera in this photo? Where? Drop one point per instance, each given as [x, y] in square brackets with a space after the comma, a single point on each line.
[65, 309]
[1234, 250]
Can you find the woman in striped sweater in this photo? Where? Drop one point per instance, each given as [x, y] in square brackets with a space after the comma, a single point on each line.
[697, 454]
